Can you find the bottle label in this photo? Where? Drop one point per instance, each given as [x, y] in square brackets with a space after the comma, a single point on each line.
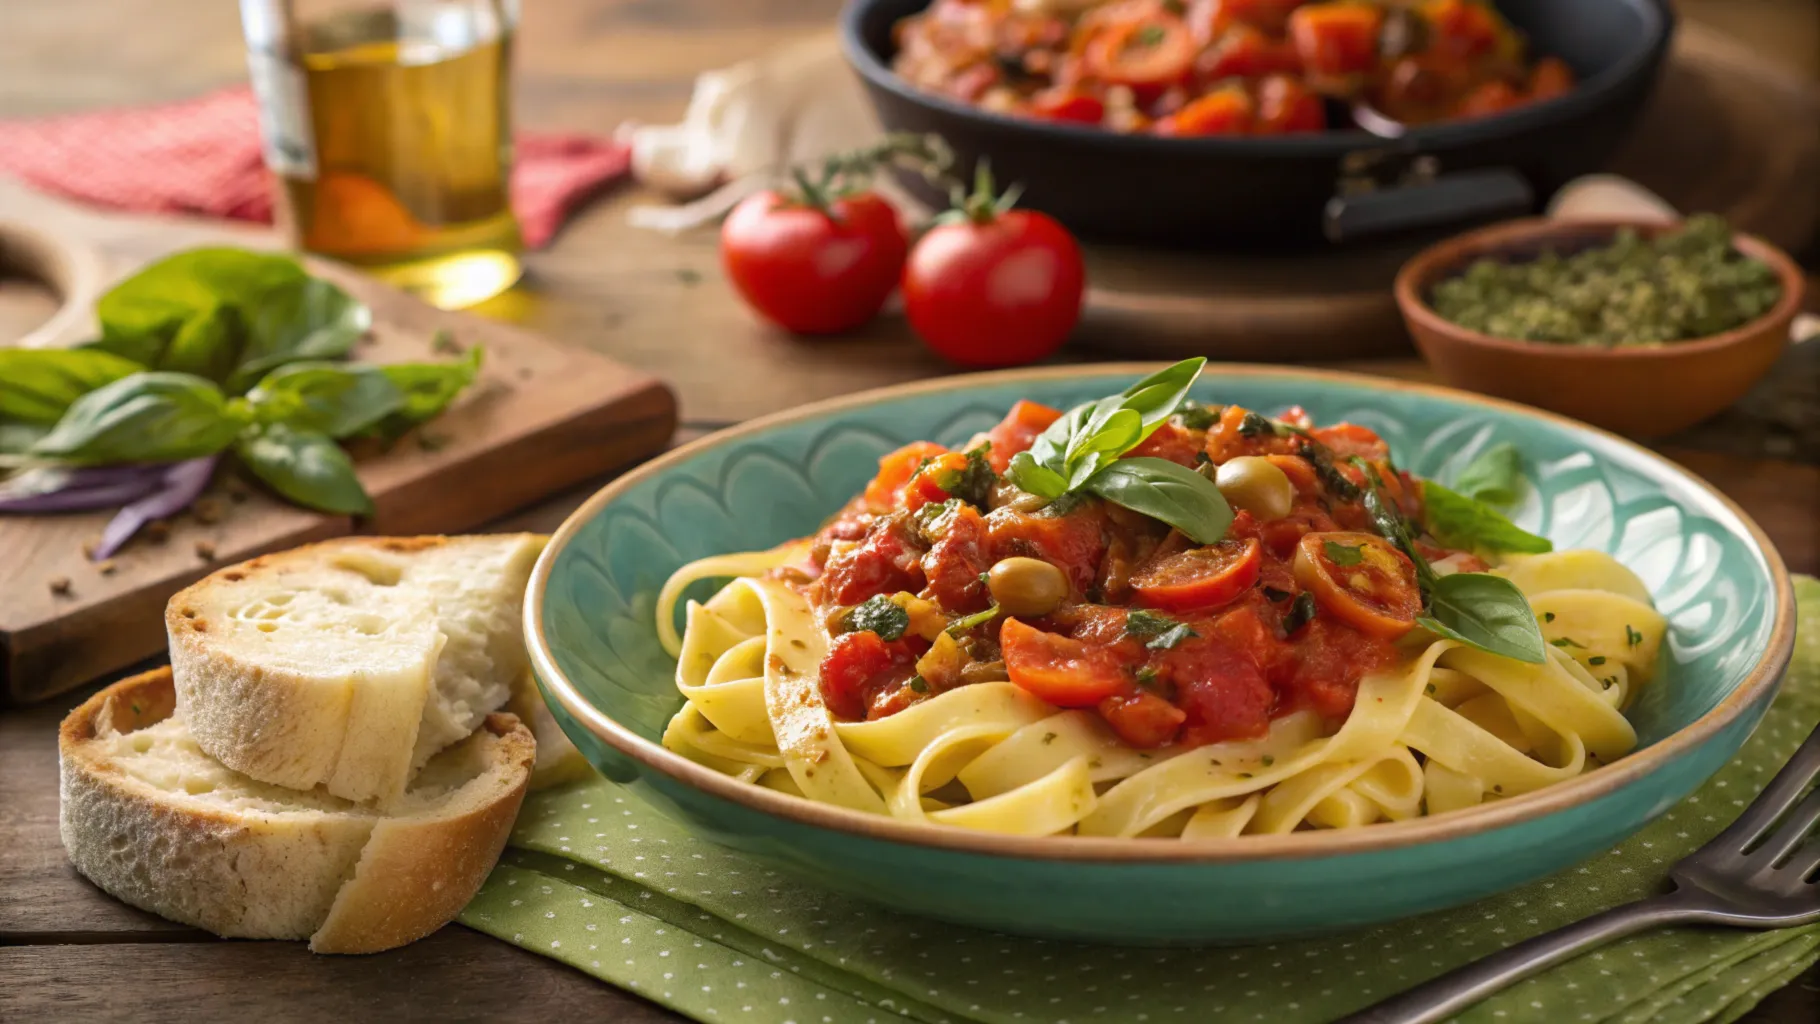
[284, 115]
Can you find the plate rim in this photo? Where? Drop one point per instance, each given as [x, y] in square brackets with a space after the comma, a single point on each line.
[1761, 681]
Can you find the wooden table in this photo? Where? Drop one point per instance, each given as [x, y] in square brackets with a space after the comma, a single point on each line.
[69, 952]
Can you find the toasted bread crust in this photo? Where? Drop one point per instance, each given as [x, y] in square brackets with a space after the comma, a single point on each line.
[350, 880]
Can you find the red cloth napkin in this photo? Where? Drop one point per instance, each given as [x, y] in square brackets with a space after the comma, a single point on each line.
[201, 156]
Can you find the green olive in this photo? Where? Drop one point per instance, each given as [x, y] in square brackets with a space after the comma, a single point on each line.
[1255, 484]
[1028, 587]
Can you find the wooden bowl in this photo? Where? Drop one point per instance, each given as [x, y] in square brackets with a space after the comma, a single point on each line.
[1643, 392]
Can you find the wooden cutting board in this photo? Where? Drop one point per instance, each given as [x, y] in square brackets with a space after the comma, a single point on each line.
[543, 416]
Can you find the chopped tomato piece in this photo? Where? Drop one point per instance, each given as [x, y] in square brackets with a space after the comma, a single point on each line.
[895, 470]
[1142, 718]
[1245, 52]
[1074, 543]
[1064, 672]
[1208, 19]
[1550, 77]
[859, 667]
[1172, 442]
[1349, 439]
[1464, 28]
[1138, 44]
[886, 562]
[953, 566]
[924, 487]
[1225, 111]
[1285, 105]
[1017, 431]
[1220, 681]
[1361, 579]
[1200, 577]
[1068, 105]
[1324, 670]
[1494, 97]
[1337, 40]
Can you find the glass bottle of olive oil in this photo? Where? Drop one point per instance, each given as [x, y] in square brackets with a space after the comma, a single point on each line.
[387, 126]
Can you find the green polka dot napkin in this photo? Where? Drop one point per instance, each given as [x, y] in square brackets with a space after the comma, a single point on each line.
[596, 879]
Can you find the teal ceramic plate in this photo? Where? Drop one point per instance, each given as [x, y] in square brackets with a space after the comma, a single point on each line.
[1712, 571]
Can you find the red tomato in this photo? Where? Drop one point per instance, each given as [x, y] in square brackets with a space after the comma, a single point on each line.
[999, 291]
[810, 270]
[1138, 44]
[1142, 718]
[1220, 681]
[1285, 105]
[1245, 52]
[925, 486]
[1550, 77]
[1494, 97]
[1074, 543]
[859, 667]
[1360, 579]
[1017, 431]
[1172, 442]
[1463, 28]
[884, 563]
[1346, 440]
[957, 562]
[1068, 105]
[1226, 111]
[895, 471]
[1064, 672]
[1337, 39]
[1200, 577]
[1209, 18]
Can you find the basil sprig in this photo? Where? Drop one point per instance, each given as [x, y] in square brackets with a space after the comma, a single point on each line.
[1496, 476]
[37, 385]
[1462, 522]
[1081, 452]
[1474, 608]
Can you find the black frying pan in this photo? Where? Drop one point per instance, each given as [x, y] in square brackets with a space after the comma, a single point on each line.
[1295, 191]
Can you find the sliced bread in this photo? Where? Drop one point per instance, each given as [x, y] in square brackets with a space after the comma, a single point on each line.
[347, 664]
[150, 818]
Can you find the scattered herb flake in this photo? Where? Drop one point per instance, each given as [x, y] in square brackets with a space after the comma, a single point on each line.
[1548, 616]
[1269, 760]
[1631, 636]
[1597, 659]
[879, 615]
[1562, 641]
[1048, 738]
[1301, 613]
[919, 684]
[1196, 416]
[1344, 554]
[1273, 594]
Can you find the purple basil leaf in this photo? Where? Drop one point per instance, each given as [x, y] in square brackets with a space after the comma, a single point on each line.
[182, 483]
[55, 489]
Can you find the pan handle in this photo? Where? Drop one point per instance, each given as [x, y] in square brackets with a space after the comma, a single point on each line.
[1444, 199]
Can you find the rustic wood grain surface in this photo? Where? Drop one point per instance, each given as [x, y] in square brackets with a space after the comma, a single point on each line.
[67, 952]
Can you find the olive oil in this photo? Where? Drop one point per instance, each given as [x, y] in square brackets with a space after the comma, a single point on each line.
[388, 129]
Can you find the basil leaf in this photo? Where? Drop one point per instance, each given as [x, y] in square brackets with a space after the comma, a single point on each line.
[17, 438]
[306, 467]
[1496, 476]
[306, 319]
[38, 384]
[228, 315]
[146, 417]
[1118, 433]
[1461, 522]
[1031, 476]
[879, 614]
[1487, 612]
[1344, 554]
[330, 398]
[1163, 490]
[1387, 520]
[1301, 613]
[1160, 632]
[428, 388]
[1156, 397]
[973, 484]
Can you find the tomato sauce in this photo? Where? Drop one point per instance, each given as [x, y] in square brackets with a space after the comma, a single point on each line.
[1171, 642]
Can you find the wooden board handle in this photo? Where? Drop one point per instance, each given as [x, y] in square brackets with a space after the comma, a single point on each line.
[74, 271]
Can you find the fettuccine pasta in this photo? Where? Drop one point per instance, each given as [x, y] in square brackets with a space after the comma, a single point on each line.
[824, 671]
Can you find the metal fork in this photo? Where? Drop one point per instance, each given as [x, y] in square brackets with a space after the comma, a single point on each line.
[1762, 872]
